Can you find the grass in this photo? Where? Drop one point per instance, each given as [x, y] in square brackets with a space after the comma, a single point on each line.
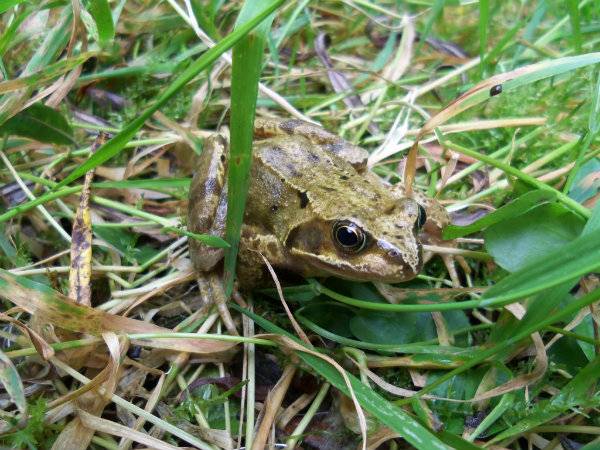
[492, 105]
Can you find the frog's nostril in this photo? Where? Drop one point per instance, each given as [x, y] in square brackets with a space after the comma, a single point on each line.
[394, 253]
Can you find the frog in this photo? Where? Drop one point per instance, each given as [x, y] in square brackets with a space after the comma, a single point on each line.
[313, 208]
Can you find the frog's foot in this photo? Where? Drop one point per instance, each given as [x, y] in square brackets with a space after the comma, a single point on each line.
[211, 290]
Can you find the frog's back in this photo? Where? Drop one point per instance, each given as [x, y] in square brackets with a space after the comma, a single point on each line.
[331, 185]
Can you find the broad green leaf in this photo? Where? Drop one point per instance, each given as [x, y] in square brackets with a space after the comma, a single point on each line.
[396, 328]
[100, 11]
[117, 143]
[245, 76]
[125, 242]
[512, 209]
[517, 241]
[41, 123]
[333, 318]
[388, 414]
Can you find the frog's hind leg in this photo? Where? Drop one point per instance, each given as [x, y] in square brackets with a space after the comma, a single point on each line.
[207, 212]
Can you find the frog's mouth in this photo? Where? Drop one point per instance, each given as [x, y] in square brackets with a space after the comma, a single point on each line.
[357, 268]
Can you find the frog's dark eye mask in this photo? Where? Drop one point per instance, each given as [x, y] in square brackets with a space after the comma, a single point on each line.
[348, 236]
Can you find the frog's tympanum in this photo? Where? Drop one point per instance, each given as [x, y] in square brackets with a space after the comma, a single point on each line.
[313, 208]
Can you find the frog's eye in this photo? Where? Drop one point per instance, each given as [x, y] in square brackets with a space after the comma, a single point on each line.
[348, 236]
[421, 218]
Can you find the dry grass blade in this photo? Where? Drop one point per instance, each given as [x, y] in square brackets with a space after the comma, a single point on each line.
[299, 331]
[57, 309]
[76, 435]
[106, 426]
[271, 407]
[81, 241]
[42, 347]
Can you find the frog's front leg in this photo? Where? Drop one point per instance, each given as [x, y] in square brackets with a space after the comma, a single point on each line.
[207, 212]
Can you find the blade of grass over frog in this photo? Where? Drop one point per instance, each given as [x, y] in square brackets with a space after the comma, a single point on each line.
[483, 355]
[117, 143]
[388, 414]
[509, 170]
[245, 76]
[514, 208]
[10, 379]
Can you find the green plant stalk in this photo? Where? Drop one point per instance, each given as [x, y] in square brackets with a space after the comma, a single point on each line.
[575, 24]
[484, 18]
[117, 143]
[508, 169]
[310, 414]
[245, 76]
[566, 312]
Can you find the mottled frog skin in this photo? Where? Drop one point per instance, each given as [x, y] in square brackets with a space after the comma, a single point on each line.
[313, 208]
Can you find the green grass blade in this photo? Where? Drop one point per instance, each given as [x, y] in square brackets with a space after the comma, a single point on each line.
[509, 170]
[100, 11]
[117, 143]
[575, 24]
[512, 209]
[10, 379]
[387, 413]
[484, 19]
[246, 68]
[5, 5]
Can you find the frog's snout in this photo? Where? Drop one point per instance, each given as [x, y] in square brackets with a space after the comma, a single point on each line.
[405, 262]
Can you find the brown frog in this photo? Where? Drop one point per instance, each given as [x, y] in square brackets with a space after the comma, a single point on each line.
[313, 208]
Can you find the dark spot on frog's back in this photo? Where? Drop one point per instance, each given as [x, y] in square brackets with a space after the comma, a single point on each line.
[335, 147]
[344, 177]
[303, 199]
[312, 157]
[290, 125]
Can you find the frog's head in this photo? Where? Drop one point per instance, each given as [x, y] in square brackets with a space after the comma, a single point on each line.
[364, 242]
